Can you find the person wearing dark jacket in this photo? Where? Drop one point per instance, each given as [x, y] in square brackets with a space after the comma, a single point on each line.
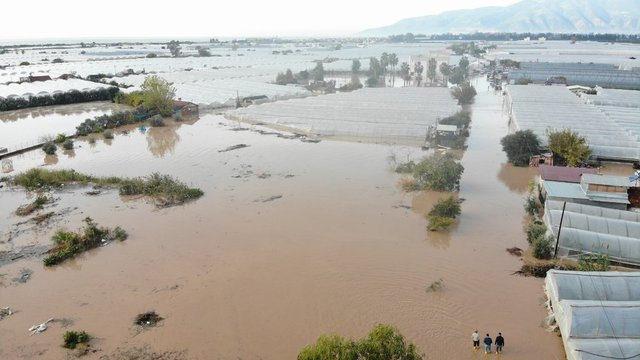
[487, 344]
[499, 343]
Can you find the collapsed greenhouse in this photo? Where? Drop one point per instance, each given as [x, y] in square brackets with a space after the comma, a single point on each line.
[598, 313]
[608, 130]
[587, 74]
[593, 229]
[378, 114]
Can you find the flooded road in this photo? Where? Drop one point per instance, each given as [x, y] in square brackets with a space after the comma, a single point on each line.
[239, 277]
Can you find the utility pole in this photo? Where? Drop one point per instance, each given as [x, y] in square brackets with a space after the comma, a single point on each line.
[555, 252]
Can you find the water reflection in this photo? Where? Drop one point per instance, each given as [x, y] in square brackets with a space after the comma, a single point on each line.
[516, 178]
[50, 159]
[162, 140]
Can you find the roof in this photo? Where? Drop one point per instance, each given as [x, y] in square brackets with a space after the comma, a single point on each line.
[610, 180]
[563, 174]
[556, 189]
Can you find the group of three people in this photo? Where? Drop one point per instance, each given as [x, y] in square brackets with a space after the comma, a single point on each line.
[488, 342]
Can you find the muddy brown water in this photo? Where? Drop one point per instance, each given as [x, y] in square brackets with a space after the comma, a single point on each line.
[238, 278]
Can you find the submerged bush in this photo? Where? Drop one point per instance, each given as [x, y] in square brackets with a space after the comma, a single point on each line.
[110, 121]
[67, 144]
[165, 190]
[438, 172]
[383, 342]
[74, 338]
[405, 168]
[69, 97]
[156, 121]
[443, 213]
[531, 205]
[38, 178]
[68, 244]
[461, 119]
[49, 148]
[542, 247]
[535, 230]
[60, 138]
[108, 134]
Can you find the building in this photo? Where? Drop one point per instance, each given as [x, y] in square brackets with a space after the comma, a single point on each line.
[563, 173]
[594, 189]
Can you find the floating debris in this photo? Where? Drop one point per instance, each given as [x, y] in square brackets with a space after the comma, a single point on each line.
[5, 312]
[268, 199]
[435, 286]
[25, 275]
[233, 147]
[36, 329]
[515, 251]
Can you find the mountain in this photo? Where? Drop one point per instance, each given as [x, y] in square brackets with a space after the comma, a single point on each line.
[535, 16]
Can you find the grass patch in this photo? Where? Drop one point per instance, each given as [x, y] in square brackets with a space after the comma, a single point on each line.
[74, 338]
[148, 319]
[69, 244]
[443, 213]
[163, 189]
[36, 204]
[594, 262]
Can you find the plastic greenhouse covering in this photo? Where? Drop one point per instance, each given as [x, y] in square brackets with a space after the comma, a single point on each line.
[585, 231]
[598, 313]
[397, 114]
[542, 108]
[606, 75]
[49, 87]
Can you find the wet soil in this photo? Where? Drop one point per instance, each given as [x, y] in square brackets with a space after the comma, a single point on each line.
[341, 250]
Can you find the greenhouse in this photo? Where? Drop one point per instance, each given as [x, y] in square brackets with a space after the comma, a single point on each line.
[598, 313]
[378, 114]
[549, 108]
[592, 229]
[51, 87]
[587, 74]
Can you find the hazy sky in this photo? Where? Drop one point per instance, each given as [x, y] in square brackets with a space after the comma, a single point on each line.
[145, 18]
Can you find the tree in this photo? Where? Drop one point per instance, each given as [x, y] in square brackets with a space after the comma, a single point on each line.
[440, 172]
[520, 147]
[355, 66]
[375, 68]
[174, 48]
[431, 69]
[464, 93]
[393, 61]
[158, 95]
[286, 78]
[384, 63]
[405, 73]
[569, 146]
[318, 72]
[384, 342]
[418, 68]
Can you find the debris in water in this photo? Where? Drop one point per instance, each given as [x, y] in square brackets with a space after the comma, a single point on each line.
[93, 192]
[270, 198]
[25, 275]
[402, 206]
[313, 141]
[5, 312]
[234, 147]
[515, 251]
[435, 286]
[264, 176]
[39, 219]
[148, 319]
[36, 329]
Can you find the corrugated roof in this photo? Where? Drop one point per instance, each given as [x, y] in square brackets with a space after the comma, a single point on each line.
[610, 180]
[564, 174]
[556, 189]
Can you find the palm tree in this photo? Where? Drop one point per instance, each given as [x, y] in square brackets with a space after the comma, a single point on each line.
[418, 69]
[405, 72]
[393, 61]
[384, 63]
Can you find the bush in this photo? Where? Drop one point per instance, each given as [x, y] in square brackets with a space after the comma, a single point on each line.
[39, 178]
[438, 223]
[542, 247]
[383, 342]
[531, 205]
[60, 138]
[158, 95]
[152, 55]
[447, 207]
[57, 61]
[520, 147]
[569, 146]
[156, 121]
[74, 338]
[68, 244]
[108, 134]
[535, 230]
[49, 148]
[438, 172]
[68, 144]
[134, 98]
[164, 189]
[465, 93]
[69, 97]
[405, 168]
[110, 121]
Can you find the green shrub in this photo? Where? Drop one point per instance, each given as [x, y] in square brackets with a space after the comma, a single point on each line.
[405, 168]
[569, 146]
[74, 338]
[438, 223]
[535, 230]
[531, 205]
[384, 342]
[438, 172]
[68, 244]
[49, 148]
[38, 178]
[520, 147]
[593, 262]
[165, 190]
[108, 134]
[69, 97]
[68, 144]
[542, 247]
[461, 119]
[60, 138]
[447, 207]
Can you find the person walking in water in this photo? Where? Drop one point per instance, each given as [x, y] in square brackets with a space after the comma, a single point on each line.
[476, 339]
[487, 344]
[499, 343]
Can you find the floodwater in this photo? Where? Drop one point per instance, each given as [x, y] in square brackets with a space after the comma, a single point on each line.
[238, 277]
[26, 127]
